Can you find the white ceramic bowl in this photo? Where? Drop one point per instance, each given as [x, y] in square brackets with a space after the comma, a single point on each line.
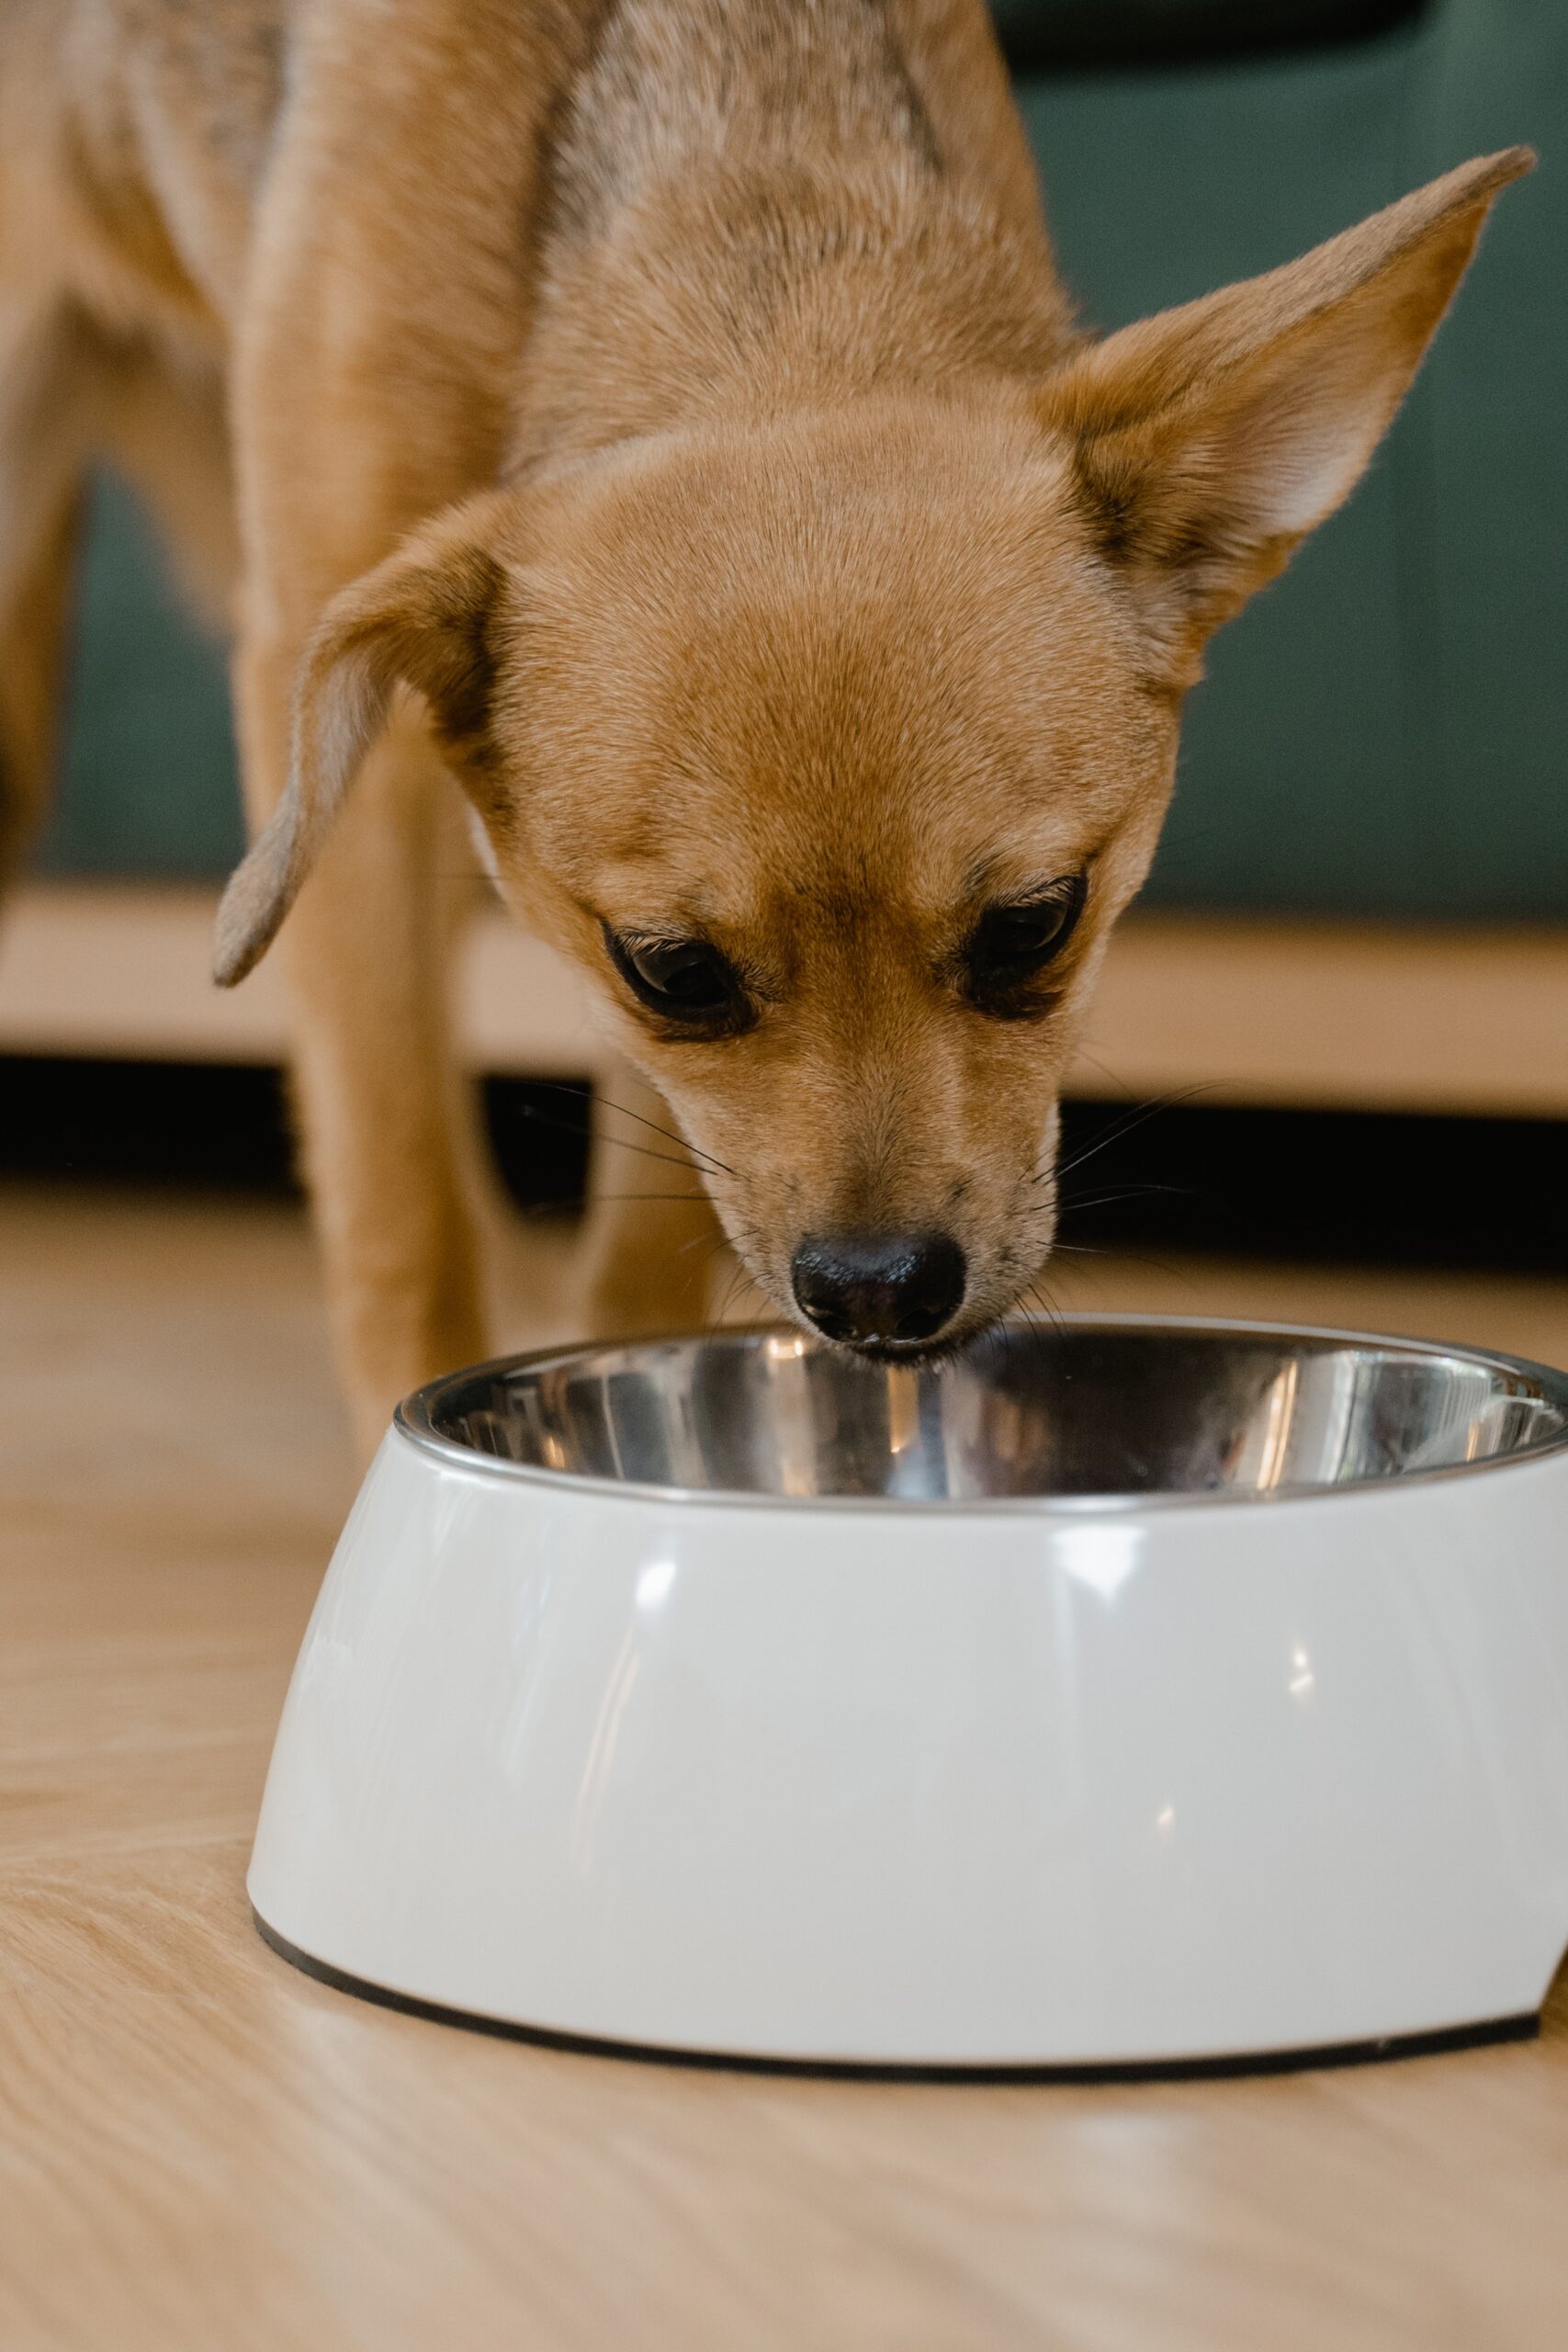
[1124, 1694]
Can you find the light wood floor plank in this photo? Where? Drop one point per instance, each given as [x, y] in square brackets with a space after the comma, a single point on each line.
[202, 2151]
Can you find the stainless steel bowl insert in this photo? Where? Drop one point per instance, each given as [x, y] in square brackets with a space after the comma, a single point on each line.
[1084, 1410]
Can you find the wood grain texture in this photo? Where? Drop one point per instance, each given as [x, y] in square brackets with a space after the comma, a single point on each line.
[202, 2151]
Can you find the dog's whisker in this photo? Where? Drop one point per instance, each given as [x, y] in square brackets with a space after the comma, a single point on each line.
[671, 1133]
[707, 1243]
[1052, 1315]
[1032, 1321]
[682, 1200]
[621, 1143]
[1081, 1054]
[1130, 1121]
[1128, 1193]
[1046, 1303]
[717, 1241]
[1173, 1269]
[737, 1276]
[581, 1205]
[588, 1202]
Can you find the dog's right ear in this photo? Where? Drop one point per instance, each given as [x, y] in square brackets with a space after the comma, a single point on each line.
[1206, 442]
[424, 619]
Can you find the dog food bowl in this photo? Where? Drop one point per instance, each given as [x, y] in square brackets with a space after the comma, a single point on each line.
[1126, 1693]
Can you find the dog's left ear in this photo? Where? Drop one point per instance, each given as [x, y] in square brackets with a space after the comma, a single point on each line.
[1208, 441]
[424, 619]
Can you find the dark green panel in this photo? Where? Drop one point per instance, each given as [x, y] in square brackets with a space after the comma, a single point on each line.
[1294, 788]
[149, 784]
[1492, 680]
[1382, 731]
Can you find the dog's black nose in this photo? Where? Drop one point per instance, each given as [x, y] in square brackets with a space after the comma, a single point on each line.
[885, 1287]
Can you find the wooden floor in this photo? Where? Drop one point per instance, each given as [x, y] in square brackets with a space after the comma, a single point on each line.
[200, 2149]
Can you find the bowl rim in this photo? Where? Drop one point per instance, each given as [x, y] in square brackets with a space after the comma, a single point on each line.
[413, 1421]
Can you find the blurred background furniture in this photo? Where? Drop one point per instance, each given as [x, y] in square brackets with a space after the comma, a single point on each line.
[1362, 891]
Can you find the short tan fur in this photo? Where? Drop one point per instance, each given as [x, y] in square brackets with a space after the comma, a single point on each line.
[662, 420]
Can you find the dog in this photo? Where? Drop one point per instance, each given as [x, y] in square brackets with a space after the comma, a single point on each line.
[659, 425]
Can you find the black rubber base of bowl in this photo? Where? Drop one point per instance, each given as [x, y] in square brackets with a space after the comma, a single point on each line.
[1136, 2069]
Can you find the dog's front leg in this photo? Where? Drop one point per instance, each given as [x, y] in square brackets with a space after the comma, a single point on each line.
[366, 951]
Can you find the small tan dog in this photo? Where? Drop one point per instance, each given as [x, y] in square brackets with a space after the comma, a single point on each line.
[663, 417]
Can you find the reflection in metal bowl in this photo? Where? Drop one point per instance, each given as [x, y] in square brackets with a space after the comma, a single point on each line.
[1082, 1409]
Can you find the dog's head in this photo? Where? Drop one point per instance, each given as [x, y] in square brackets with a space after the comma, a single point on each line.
[833, 743]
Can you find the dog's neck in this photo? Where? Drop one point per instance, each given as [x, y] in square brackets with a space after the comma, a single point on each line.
[750, 210]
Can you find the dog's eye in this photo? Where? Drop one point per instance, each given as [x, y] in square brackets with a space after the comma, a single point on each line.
[686, 979]
[1011, 945]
